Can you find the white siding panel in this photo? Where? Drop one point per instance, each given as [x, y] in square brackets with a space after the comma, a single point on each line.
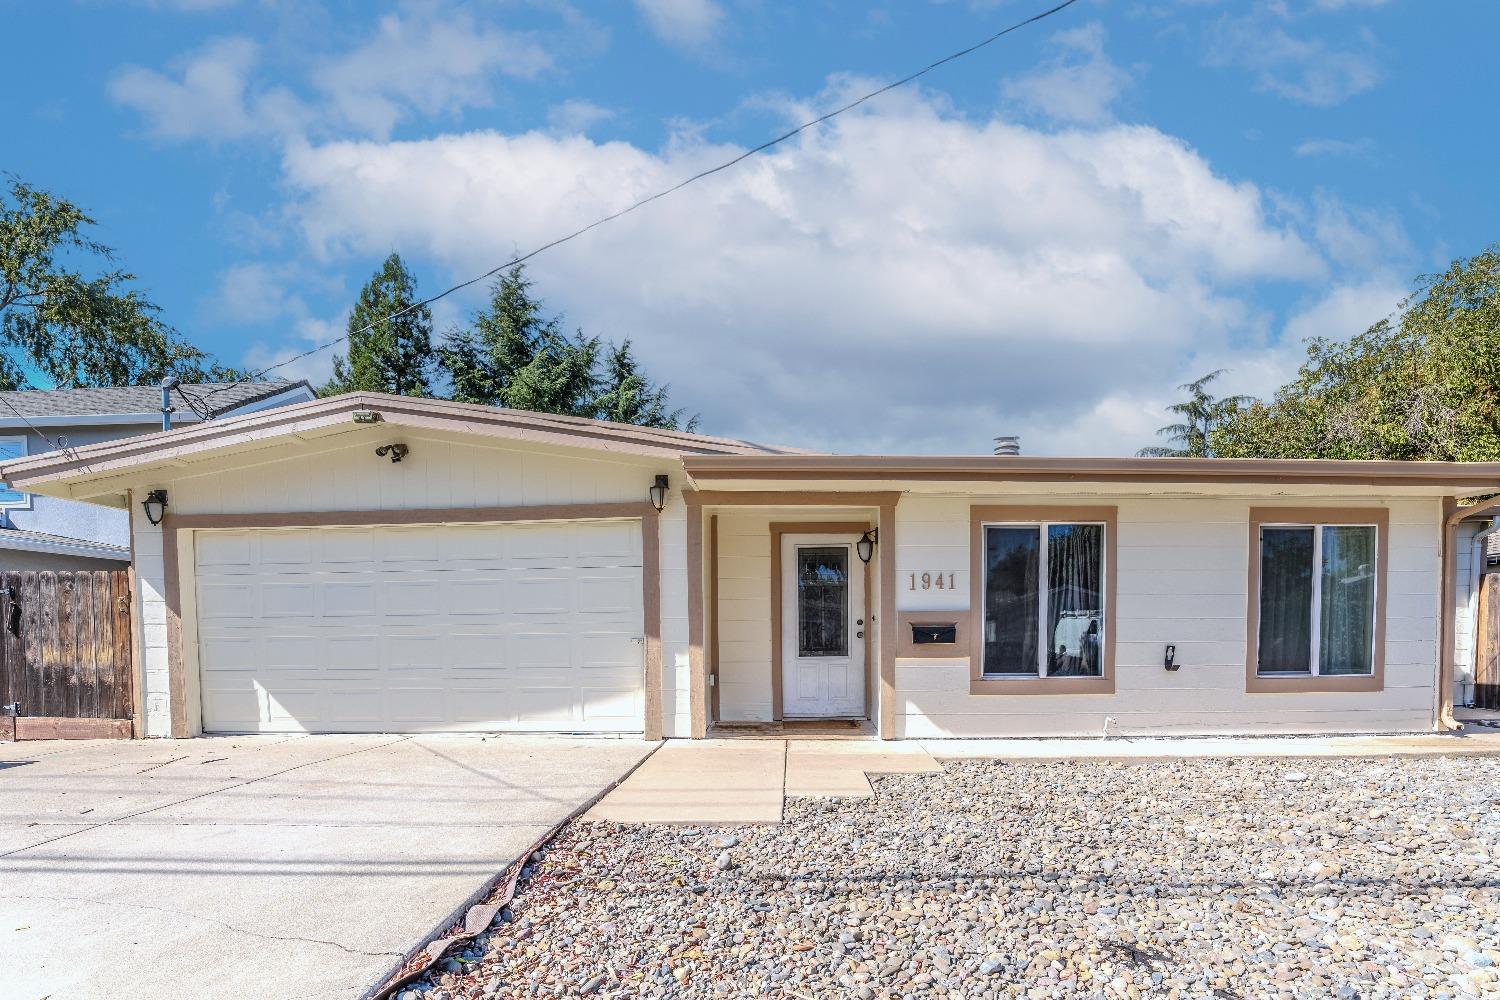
[1182, 574]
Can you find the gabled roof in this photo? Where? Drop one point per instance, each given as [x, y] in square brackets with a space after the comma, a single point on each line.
[44, 405]
[337, 412]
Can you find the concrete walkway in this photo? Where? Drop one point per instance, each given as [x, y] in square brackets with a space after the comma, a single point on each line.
[253, 867]
[729, 781]
[746, 781]
[1473, 739]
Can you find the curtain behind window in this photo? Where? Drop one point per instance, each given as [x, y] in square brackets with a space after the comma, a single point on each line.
[1012, 559]
[1075, 612]
[1286, 563]
[1347, 614]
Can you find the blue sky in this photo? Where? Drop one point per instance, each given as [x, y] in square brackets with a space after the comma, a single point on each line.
[1042, 239]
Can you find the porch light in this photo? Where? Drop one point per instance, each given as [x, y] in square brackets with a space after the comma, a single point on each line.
[155, 505]
[866, 544]
[658, 493]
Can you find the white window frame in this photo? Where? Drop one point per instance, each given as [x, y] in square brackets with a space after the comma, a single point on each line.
[24, 502]
[1043, 596]
[1313, 657]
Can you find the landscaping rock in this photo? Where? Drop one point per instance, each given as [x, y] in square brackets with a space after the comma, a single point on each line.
[1370, 879]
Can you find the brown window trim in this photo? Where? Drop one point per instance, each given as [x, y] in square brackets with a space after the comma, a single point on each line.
[1315, 516]
[982, 685]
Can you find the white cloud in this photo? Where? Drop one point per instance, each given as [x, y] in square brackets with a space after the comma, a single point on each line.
[1347, 310]
[576, 116]
[1334, 147]
[435, 65]
[1078, 84]
[689, 24]
[439, 62]
[904, 280]
[307, 333]
[210, 97]
[1305, 69]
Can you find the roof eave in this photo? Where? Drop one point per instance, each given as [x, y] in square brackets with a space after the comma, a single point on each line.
[1460, 477]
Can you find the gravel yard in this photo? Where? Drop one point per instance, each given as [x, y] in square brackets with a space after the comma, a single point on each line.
[1191, 878]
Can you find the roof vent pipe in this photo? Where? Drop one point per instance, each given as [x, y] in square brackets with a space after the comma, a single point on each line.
[167, 409]
[1009, 445]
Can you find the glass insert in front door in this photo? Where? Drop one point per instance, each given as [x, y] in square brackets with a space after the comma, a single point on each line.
[823, 600]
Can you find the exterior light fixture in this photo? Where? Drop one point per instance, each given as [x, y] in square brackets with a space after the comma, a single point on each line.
[155, 505]
[397, 451]
[866, 544]
[367, 416]
[658, 493]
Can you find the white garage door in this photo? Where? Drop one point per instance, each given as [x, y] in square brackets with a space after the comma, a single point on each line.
[514, 627]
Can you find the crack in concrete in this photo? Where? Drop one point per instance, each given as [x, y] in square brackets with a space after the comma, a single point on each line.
[213, 920]
[203, 795]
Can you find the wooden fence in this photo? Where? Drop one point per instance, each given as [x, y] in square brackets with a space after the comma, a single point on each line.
[1487, 648]
[65, 654]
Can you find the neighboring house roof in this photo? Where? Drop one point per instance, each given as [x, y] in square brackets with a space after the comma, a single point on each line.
[136, 403]
[39, 541]
[334, 414]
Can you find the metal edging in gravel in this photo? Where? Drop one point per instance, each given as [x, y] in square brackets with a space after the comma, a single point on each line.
[475, 914]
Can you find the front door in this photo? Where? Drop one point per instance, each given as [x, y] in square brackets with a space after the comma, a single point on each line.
[822, 628]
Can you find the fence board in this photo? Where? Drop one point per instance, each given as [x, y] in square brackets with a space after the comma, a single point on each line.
[69, 657]
[1487, 651]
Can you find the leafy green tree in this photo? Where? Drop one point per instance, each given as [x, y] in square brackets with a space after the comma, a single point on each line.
[78, 329]
[1201, 414]
[514, 355]
[1425, 387]
[390, 338]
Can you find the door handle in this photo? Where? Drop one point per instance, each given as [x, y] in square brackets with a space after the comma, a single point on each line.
[860, 634]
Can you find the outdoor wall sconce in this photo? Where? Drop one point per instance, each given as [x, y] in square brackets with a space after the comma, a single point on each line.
[396, 451]
[658, 493]
[866, 544]
[155, 505]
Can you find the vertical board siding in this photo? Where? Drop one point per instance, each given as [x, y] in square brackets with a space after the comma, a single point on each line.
[1182, 578]
[65, 662]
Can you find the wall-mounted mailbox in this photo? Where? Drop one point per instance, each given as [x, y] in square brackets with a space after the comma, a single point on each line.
[929, 634]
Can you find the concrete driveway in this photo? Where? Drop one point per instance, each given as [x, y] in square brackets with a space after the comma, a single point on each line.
[251, 867]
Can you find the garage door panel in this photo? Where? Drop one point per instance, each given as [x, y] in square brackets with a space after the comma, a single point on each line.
[421, 628]
[343, 546]
[231, 551]
[611, 704]
[286, 548]
[286, 600]
[416, 596]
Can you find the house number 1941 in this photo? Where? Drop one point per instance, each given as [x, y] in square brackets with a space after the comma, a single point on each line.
[930, 581]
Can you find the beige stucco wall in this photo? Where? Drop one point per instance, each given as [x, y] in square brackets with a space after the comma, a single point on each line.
[1182, 579]
[442, 470]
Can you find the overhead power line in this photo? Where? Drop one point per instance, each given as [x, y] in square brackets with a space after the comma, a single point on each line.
[770, 143]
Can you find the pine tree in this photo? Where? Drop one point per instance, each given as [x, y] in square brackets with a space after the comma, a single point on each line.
[627, 396]
[392, 355]
[514, 355]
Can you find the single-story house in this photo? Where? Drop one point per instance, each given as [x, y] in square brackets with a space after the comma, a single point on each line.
[380, 563]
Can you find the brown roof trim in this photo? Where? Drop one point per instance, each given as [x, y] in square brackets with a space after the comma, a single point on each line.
[405, 411]
[1460, 476]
